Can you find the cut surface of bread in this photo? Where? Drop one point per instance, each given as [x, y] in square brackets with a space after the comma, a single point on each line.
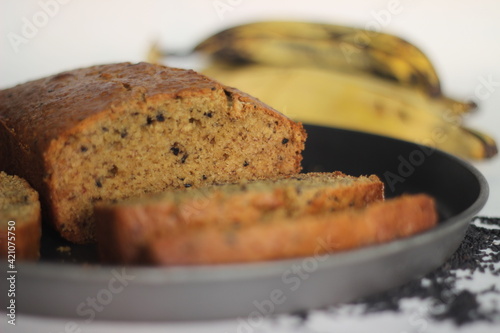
[124, 229]
[20, 220]
[306, 235]
[112, 131]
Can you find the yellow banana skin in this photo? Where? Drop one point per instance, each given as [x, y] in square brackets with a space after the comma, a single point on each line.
[326, 46]
[334, 47]
[343, 77]
[359, 102]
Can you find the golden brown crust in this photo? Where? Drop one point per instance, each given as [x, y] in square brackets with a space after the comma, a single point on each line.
[124, 229]
[308, 235]
[88, 92]
[19, 204]
[41, 118]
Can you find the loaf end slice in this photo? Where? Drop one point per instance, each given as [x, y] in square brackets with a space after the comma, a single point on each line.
[20, 220]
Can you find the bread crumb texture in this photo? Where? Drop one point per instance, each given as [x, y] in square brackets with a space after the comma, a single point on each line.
[108, 132]
[19, 204]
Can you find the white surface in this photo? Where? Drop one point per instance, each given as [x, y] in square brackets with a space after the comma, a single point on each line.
[460, 37]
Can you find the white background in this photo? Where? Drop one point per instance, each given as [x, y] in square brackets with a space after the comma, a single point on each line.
[462, 38]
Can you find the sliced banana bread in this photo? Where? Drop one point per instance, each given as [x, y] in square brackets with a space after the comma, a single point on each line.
[126, 228]
[289, 237]
[20, 222]
[112, 131]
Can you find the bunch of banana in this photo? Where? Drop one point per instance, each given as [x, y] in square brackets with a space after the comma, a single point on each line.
[329, 47]
[344, 77]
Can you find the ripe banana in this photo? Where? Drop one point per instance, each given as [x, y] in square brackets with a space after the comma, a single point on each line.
[326, 46]
[360, 102]
[343, 77]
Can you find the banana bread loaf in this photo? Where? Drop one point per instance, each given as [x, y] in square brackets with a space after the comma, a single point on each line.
[111, 131]
[304, 235]
[20, 221]
[124, 229]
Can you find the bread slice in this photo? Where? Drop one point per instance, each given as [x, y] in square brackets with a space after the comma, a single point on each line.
[125, 229]
[305, 235]
[20, 221]
[112, 131]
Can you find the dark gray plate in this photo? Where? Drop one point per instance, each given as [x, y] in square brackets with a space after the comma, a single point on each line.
[90, 291]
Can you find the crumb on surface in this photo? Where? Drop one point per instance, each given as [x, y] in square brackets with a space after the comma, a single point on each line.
[63, 249]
